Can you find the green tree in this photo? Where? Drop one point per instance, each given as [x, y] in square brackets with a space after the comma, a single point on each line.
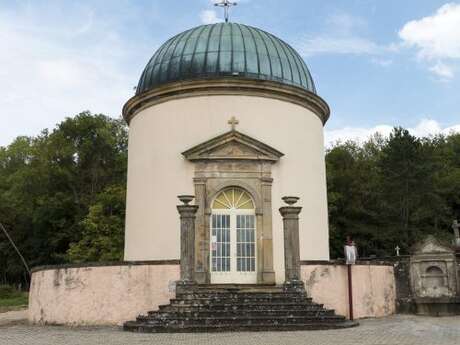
[102, 236]
[49, 182]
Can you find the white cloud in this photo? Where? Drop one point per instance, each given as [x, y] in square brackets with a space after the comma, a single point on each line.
[424, 128]
[57, 67]
[341, 36]
[443, 71]
[382, 62]
[355, 133]
[436, 38]
[337, 45]
[209, 17]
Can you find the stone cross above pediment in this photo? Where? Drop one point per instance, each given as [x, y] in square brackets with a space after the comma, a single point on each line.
[233, 145]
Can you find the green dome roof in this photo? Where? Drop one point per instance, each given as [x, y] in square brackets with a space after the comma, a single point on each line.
[225, 49]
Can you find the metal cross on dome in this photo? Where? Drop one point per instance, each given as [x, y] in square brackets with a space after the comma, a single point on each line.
[226, 4]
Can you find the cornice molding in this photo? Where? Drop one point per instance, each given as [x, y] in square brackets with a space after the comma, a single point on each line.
[227, 86]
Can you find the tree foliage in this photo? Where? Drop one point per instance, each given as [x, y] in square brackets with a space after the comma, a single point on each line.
[54, 185]
[392, 192]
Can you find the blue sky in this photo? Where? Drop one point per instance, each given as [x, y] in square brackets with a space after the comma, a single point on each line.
[377, 63]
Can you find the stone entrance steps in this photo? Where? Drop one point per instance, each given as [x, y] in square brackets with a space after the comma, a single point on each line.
[223, 308]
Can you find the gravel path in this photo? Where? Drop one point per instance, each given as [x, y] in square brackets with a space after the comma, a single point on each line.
[396, 330]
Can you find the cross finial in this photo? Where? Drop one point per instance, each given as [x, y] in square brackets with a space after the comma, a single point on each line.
[397, 249]
[233, 122]
[226, 4]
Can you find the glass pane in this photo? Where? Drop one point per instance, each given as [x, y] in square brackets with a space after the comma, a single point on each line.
[246, 247]
[220, 243]
[186, 64]
[211, 64]
[164, 70]
[225, 61]
[239, 63]
[226, 39]
[197, 63]
[233, 198]
[238, 193]
[295, 70]
[214, 40]
[202, 43]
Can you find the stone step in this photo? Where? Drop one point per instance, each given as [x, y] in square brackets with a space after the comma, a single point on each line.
[233, 313]
[235, 307]
[236, 295]
[240, 287]
[134, 326]
[237, 320]
[239, 300]
[242, 307]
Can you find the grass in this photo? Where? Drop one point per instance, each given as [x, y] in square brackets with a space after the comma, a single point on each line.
[11, 299]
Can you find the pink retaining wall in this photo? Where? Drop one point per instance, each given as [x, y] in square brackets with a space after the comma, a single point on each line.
[374, 292]
[111, 295]
[106, 295]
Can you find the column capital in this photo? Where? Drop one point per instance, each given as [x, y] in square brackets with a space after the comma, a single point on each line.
[290, 212]
[187, 211]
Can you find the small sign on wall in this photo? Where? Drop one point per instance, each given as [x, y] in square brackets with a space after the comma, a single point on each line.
[214, 242]
[351, 253]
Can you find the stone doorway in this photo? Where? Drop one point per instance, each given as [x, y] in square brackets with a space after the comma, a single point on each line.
[233, 161]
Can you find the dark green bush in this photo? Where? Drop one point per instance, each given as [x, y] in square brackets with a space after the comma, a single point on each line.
[6, 291]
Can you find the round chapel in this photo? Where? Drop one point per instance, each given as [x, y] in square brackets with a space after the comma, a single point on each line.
[227, 113]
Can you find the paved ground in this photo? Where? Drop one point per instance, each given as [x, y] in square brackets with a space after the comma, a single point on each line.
[11, 317]
[396, 330]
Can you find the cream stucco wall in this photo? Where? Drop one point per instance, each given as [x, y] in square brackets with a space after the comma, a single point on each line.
[108, 295]
[157, 172]
[374, 290]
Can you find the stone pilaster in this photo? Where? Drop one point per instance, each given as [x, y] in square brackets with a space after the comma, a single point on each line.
[187, 242]
[201, 234]
[268, 272]
[290, 216]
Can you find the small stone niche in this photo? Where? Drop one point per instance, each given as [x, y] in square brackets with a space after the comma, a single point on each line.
[434, 278]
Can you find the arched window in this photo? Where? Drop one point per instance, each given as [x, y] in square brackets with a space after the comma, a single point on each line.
[233, 198]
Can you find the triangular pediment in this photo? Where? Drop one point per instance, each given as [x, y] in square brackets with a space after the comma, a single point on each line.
[431, 245]
[233, 145]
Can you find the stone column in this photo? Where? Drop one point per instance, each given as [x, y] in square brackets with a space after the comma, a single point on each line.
[290, 216]
[187, 242]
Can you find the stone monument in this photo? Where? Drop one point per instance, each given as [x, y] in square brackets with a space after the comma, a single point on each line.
[434, 278]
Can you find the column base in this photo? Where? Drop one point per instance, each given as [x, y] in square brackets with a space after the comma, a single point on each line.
[294, 286]
[268, 277]
[202, 277]
[184, 286]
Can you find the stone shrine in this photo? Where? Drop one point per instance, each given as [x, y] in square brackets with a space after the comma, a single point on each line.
[434, 278]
